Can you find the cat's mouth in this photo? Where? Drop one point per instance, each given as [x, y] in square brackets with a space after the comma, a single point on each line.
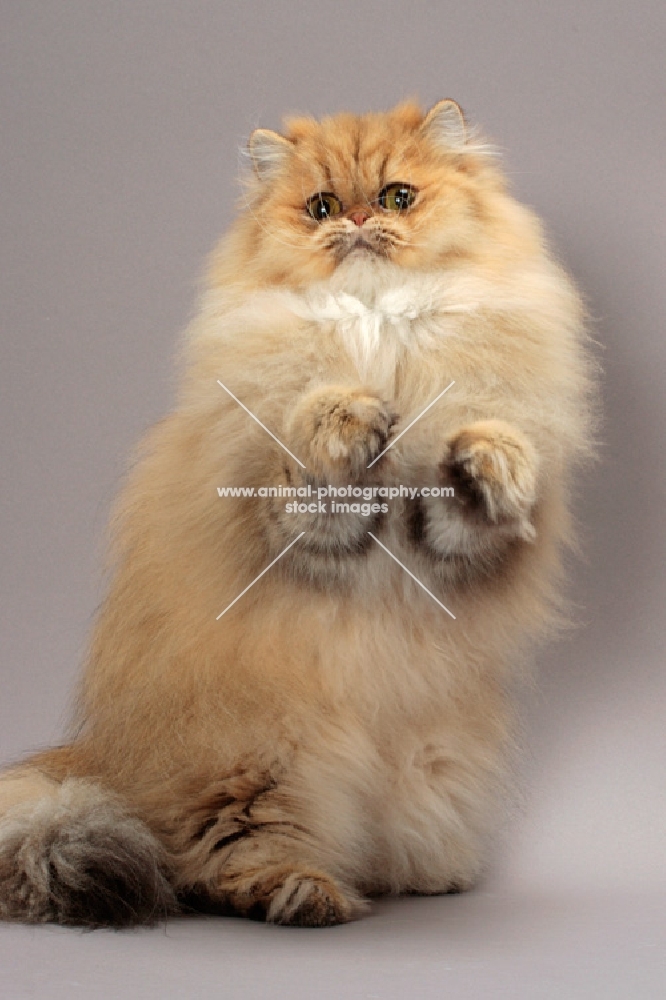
[359, 245]
[362, 244]
[374, 242]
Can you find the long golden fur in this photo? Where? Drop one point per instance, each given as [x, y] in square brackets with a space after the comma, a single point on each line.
[335, 734]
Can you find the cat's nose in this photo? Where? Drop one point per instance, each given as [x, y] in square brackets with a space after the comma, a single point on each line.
[359, 216]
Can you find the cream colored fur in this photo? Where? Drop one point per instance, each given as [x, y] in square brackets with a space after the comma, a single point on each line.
[335, 733]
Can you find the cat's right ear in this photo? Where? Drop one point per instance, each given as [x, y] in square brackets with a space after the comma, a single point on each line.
[445, 123]
[268, 151]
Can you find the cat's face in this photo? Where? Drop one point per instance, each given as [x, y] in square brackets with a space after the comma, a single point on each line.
[399, 187]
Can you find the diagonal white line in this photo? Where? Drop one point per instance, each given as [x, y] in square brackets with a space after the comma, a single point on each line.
[414, 578]
[259, 577]
[260, 423]
[410, 425]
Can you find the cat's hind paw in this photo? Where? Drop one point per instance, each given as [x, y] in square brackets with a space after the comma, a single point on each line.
[294, 896]
[305, 900]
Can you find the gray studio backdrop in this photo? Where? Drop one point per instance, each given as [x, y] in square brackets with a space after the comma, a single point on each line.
[121, 129]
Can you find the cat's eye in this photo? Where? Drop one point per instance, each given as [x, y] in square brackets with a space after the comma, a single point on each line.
[323, 205]
[397, 197]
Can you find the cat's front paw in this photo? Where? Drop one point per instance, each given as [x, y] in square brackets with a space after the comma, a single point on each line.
[493, 469]
[341, 431]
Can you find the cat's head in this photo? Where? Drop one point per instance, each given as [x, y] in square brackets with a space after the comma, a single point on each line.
[402, 187]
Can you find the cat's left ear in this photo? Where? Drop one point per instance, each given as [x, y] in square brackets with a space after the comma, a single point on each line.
[445, 123]
[268, 151]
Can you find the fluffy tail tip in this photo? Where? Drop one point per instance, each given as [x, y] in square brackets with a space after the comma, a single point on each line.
[79, 857]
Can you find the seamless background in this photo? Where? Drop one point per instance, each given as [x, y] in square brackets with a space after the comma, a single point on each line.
[122, 124]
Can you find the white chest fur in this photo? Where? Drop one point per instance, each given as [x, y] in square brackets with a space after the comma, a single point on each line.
[376, 328]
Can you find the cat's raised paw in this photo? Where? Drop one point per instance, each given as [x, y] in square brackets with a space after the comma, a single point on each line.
[341, 430]
[493, 469]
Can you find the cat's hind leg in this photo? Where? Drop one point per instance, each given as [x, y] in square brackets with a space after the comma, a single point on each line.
[71, 852]
[243, 848]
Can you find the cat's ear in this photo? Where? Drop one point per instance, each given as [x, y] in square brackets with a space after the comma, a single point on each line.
[268, 150]
[445, 123]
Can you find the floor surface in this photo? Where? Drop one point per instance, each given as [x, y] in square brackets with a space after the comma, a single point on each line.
[484, 944]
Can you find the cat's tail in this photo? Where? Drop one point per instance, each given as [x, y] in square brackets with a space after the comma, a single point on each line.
[71, 852]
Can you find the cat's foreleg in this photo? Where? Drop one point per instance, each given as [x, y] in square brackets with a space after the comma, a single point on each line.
[492, 469]
[340, 430]
[336, 432]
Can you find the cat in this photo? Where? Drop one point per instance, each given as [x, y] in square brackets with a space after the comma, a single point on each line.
[286, 712]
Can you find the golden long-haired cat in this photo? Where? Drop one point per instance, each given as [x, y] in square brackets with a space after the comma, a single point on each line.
[341, 728]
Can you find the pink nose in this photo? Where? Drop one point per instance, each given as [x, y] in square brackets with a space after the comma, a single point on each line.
[359, 216]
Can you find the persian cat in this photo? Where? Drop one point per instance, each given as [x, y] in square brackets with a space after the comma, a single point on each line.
[280, 715]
